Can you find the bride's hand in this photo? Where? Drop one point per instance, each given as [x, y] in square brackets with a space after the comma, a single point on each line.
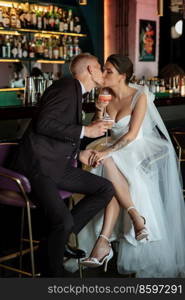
[98, 158]
[92, 161]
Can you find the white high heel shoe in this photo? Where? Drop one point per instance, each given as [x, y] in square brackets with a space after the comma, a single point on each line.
[93, 262]
[142, 233]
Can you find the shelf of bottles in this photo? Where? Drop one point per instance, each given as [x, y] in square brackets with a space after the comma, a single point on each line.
[172, 87]
[37, 32]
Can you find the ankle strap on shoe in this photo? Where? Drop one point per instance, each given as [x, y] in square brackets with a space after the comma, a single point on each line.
[105, 237]
[129, 208]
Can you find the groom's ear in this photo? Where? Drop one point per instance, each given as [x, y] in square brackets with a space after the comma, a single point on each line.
[89, 69]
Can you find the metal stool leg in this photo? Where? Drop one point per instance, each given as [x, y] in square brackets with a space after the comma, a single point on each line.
[30, 239]
[21, 240]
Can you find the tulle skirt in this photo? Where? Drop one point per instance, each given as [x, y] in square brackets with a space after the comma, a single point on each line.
[151, 170]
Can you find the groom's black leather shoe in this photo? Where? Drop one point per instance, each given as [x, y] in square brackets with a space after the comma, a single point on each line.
[71, 252]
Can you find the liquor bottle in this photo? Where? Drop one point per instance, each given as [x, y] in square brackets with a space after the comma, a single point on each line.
[31, 49]
[39, 19]
[1, 17]
[24, 47]
[39, 48]
[46, 48]
[55, 49]
[157, 89]
[45, 19]
[51, 20]
[70, 21]
[19, 49]
[6, 18]
[33, 18]
[175, 87]
[15, 48]
[142, 81]
[76, 48]
[182, 88]
[162, 86]
[8, 47]
[69, 48]
[1, 44]
[152, 86]
[77, 25]
[27, 16]
[61, 50]
[64, 47]
[22, 18]
[50, 50]
[61, 21]
[4, 49]
[13, 18]
[56, 18]
[18, 21]
[65, 21]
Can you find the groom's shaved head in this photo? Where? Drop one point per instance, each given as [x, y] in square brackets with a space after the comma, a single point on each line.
[80, 63]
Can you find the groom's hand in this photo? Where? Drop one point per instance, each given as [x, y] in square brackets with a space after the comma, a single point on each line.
[96, 129]
[85, 156]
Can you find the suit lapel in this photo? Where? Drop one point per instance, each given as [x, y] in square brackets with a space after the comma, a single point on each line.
[79, 102]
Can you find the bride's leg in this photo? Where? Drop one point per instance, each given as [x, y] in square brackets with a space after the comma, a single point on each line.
[122, 192]
[111, 214]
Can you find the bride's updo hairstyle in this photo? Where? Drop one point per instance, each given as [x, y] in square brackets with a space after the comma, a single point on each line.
[122, 64]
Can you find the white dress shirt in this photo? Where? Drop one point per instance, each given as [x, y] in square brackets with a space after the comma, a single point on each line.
[83, 92]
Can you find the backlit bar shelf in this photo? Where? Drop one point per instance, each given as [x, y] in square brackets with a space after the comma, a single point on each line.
[11, 89]
[43, 61]
[12, 31]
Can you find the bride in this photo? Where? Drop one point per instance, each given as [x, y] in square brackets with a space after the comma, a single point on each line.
[147, 214]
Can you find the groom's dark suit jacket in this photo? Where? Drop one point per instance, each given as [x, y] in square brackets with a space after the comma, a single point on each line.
[53, 136]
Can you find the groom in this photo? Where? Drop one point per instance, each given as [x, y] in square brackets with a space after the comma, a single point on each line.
[45, 156]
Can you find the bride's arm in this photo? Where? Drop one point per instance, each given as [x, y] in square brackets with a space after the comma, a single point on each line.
[137, 118]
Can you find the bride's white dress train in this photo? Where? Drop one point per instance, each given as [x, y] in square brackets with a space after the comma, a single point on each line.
[150, 167]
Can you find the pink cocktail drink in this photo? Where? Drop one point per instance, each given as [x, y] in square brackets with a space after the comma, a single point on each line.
[104, 98]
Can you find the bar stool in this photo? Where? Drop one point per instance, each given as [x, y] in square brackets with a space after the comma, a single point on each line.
[15, 191]
[179, 141]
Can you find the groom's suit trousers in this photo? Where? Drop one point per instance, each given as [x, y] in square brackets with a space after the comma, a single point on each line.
[61, 221]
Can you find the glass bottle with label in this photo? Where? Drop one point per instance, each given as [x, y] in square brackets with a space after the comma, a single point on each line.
[39, 19]
[51, 20]
[56, 18]
[13, 18]
[1, 17]
[33, 19]
[6, 18]
[15, 48]
[24, 47]
[65, 21]
[55, 49]
[70, 21]
[61, 21]
[45, 19]
[77, 25]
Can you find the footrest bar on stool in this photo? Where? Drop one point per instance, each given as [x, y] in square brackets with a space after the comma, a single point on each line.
[16, 254]
[18, 271]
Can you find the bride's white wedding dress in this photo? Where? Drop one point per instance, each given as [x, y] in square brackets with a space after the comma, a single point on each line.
[150, 167]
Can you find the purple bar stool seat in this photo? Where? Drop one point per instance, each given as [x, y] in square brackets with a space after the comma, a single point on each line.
[15, 189]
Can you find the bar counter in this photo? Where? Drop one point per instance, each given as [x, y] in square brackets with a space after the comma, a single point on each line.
[27, 111]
